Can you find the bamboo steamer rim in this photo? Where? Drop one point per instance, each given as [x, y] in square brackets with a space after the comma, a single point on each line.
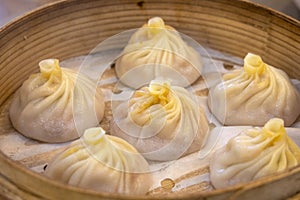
[57, 3]
[91, 194]
[48, 185]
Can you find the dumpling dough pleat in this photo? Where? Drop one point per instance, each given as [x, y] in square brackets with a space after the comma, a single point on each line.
[254, 94]
[253, 154]
[57, 104]
[163, 122]
[157, 51]
[103, 163]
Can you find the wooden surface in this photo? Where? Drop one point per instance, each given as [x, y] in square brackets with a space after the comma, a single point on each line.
[73, 28]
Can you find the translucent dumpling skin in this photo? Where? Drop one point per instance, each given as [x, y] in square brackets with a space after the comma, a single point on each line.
[56, 105]
[103, 163]
[156, 51]
[255, 94]
[163, 122]
[253, 154]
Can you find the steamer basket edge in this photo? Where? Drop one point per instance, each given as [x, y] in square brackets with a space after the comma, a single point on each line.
[25, 37]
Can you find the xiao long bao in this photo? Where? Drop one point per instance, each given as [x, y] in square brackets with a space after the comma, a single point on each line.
[253, 154]
[56, 105]
[156, 51]
[162, 121]
[254, 94]
[103, 163]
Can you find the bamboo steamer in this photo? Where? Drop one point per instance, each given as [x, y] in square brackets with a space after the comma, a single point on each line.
[69, 28]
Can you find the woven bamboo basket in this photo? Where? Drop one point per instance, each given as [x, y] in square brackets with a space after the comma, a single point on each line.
[69, 28]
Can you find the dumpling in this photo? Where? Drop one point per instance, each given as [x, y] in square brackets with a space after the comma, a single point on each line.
[56, 105]
[255, 94]
[254, 153]
[163, 122]
[101, 162]
[157, 51]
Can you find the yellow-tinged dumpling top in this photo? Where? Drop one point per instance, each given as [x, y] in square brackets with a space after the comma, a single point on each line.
[253, 64]
[155, 94]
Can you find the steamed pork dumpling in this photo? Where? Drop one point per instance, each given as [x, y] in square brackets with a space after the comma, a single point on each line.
[255, 153]
[102, 162]
[156, 51]
[163, 122]
[254, 94]
[56, 105]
